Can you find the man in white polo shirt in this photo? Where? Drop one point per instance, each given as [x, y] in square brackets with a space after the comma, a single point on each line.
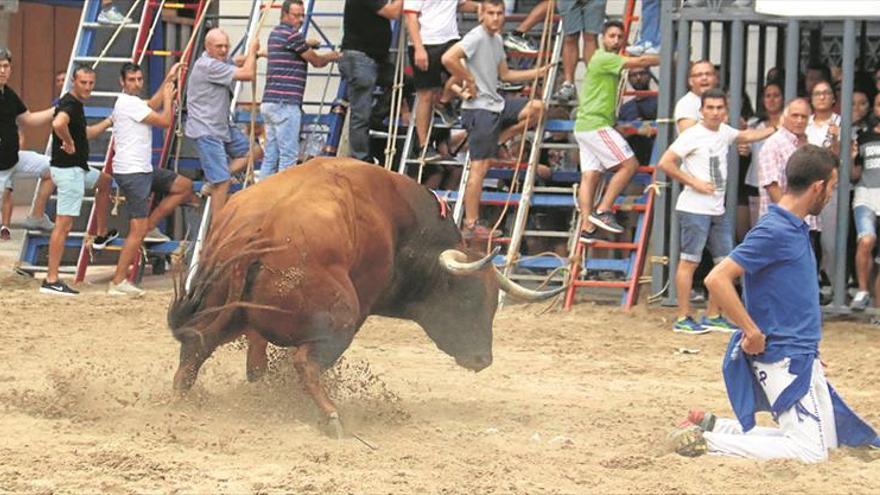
[701, 78]
[133, 167]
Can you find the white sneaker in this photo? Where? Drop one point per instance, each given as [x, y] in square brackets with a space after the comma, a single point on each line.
[860, 301]
[125, 288]
[42, 223]
[112, 16]
[156, 235]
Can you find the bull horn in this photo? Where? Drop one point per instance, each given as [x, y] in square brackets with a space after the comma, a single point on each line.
[455, 261]
[521, 292]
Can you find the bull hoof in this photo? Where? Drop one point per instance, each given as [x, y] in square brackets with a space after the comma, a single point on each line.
[333, 427]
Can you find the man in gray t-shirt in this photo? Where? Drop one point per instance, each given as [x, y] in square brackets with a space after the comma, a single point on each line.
[478, 60]
[223, 148]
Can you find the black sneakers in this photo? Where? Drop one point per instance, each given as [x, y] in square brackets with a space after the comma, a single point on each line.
[605, 220]
[102, 241]
[57, 288]
[589, 236]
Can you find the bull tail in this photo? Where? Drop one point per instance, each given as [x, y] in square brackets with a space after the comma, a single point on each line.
[189, 310]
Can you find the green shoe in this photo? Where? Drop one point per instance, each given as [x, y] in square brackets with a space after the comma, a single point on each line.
[718, 324]
[688, 441]
[686, 324]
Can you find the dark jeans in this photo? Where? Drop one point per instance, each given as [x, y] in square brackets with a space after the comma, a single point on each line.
[360, 73]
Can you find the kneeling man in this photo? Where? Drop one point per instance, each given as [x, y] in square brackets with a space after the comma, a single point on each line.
[773, 364]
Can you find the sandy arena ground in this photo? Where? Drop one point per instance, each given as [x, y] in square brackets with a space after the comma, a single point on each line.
[574, 403]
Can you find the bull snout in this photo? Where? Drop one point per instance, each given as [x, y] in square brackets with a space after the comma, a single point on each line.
[474, 363]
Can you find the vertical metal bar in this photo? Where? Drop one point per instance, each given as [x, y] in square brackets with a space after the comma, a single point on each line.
[843, 187]
[707, 40]
[737, 65]
[682, 69]
[724, 73]
[863, 46]
[781, 37]
[664, 133]
[762, 66]
[792, 50]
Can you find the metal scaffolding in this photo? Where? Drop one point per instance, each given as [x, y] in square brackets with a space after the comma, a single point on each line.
[738, 57]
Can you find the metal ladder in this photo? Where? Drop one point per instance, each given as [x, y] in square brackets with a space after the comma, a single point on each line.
[126, 43]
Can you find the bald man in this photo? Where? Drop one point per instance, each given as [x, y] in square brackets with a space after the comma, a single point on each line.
[223, 148]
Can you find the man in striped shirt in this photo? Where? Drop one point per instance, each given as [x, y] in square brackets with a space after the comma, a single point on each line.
[289, 55]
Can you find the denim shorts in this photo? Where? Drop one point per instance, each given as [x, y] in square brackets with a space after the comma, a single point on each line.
[137, 187]
[866, 221]
[72, 184]
[698, 231]
[214, 154]
[582, 16]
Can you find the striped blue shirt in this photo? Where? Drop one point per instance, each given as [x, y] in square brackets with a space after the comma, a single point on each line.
[286, 75]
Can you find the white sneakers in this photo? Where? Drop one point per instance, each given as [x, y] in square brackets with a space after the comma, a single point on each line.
[125, 288]
[112, 16]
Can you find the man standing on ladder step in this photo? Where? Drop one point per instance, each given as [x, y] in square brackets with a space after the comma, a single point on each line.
[480, 61]
[133, 167]
[15, 163]
[289, 57]
[366, 40]
[580, 18]
[701, 78]
[433, 29]
[72, 175]
[223, 148]
[601, 147]
[701, 214]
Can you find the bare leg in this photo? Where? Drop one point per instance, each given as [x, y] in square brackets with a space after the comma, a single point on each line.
[586, 193]
[569, 56]
[137, 230]
[44, 192]
[537, 14]
[102, 203]
[474, 190]
[218, 200]
[7, 208]
[181, 192]
[257, 362]
[864, 261]
[529, 114]
[589, 47]
[618, 182]
[684, 280]
[63, 223]
[424, 108]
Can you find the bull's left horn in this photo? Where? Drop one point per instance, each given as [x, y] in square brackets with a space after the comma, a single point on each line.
[521, 292]
[455, 261]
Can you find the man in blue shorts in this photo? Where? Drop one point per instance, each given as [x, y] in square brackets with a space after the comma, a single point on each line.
[773, 364]
[223, 148]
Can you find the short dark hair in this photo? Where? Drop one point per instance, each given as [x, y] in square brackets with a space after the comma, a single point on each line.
[493, 2]
[85, 69]
[129, 68]
[285, 7]
[713, 94]
[5, 54]
[808, 165]
[823, 69]
[612, 24]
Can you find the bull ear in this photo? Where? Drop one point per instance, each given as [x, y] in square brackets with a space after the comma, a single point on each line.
[456, 263]
[521, 292]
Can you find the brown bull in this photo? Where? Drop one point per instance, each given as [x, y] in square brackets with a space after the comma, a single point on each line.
[301, 259]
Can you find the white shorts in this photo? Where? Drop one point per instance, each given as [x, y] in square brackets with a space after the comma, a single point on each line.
[30, 165]
[602, 149]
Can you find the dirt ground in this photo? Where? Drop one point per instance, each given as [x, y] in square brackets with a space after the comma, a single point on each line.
[574, 403]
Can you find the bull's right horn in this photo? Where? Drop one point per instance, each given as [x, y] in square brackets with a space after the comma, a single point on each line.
[455, 261]
[521, 292]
